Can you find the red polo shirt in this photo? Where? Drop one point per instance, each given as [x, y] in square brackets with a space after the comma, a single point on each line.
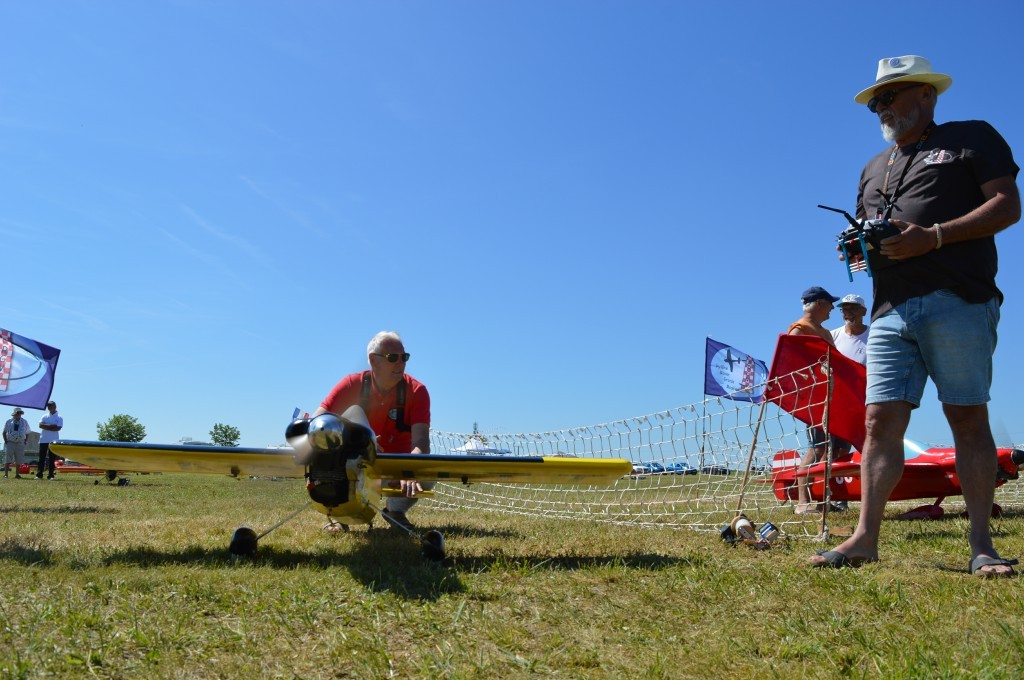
[381, 408]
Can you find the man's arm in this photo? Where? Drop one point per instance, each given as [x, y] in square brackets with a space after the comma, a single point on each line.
[1000, 210]
[420, 438]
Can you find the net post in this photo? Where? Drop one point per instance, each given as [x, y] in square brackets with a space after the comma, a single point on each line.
[750, 457]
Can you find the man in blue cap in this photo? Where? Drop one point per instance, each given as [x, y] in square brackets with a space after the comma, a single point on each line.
[818, 304]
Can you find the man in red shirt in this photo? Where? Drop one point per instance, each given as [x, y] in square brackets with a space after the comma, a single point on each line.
[397, 406]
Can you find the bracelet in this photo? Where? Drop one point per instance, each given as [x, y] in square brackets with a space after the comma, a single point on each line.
[938, 235]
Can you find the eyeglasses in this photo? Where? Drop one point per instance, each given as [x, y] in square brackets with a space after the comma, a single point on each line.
[888, 97]
[394, 357]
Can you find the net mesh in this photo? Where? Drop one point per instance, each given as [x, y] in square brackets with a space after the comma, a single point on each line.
[689, 468]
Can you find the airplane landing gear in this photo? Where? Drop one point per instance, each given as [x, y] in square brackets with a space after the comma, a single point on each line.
[432, 541]
[433, 546]
[243, 543]
[244, 540]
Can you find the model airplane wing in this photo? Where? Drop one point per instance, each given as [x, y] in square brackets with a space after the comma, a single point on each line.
[220, 460]
[508, 469]
[845, 469]
[215, 460]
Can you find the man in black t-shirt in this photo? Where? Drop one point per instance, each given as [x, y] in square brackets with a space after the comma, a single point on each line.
[949, 189]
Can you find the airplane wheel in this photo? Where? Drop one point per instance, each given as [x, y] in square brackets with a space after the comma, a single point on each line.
[243, 542]
[433, 546]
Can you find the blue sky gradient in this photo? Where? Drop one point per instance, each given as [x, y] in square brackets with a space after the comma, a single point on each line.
[210, 208]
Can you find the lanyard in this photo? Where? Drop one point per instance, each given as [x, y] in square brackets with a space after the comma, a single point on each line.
[888, 203]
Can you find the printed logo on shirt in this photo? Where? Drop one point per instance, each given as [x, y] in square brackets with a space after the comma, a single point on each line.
[393, 414]
[939, 157]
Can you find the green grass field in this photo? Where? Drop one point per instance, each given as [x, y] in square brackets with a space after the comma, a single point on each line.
[117, 582]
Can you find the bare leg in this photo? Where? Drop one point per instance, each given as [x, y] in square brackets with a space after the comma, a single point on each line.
[803, 494]
[880, 471]
[976, 467]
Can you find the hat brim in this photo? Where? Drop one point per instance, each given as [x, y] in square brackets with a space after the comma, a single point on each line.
[827, 298]
[940, 80]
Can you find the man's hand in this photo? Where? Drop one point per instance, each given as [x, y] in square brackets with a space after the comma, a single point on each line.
[913, 240]
[854, 259]
[410, 487]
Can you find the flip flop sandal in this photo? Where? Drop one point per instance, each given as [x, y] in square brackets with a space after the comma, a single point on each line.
[833, 559]
[978, 563]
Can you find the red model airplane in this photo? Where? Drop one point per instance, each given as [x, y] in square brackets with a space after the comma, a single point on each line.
[927, 473]
[798, 384]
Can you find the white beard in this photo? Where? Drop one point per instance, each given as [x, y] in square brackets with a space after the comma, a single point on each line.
[900, 126]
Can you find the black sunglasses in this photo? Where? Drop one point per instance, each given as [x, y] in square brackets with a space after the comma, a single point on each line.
[888, 97]
[394, 356]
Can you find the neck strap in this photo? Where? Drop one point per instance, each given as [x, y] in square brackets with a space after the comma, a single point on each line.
[888, 203]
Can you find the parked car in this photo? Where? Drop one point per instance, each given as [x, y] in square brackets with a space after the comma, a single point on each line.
[681, 469]
[716, 470]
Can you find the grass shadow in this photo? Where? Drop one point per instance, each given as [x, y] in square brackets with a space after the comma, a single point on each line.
[27, 555]
[74, 510]
[645, 561]
[380, 562]
[462, 531]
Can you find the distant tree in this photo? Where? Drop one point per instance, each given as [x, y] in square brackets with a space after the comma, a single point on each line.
[225, 435]
[121, 428]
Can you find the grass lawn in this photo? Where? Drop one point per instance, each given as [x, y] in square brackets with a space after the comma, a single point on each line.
[114, 582]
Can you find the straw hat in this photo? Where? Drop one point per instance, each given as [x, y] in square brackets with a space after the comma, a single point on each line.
[911, 68]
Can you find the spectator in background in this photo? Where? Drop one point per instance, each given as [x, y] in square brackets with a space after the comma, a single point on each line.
[16, 431]
[852, 337]
[817, 308]
[50, 425]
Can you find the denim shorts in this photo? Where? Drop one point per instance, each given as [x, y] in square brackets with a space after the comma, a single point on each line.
[816, 438]
[937, 335]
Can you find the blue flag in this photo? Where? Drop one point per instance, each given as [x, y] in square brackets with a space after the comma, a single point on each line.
[27, 368]
[733, 374]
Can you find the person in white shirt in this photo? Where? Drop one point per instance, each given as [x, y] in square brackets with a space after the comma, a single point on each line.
[50, 425]
[16, 431]
[851, 340]
[852, 337]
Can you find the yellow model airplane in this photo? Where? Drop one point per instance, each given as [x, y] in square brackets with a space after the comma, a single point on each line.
[343, 471]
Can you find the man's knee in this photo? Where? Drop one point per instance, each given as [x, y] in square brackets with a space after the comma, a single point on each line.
[966, 417]
[887, 421]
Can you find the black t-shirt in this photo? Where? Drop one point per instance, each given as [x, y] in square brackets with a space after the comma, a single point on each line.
[943, 183]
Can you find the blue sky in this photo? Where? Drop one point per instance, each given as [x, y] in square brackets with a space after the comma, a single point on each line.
[211, 207]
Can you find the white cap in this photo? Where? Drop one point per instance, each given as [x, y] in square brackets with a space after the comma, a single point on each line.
[853, 300]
